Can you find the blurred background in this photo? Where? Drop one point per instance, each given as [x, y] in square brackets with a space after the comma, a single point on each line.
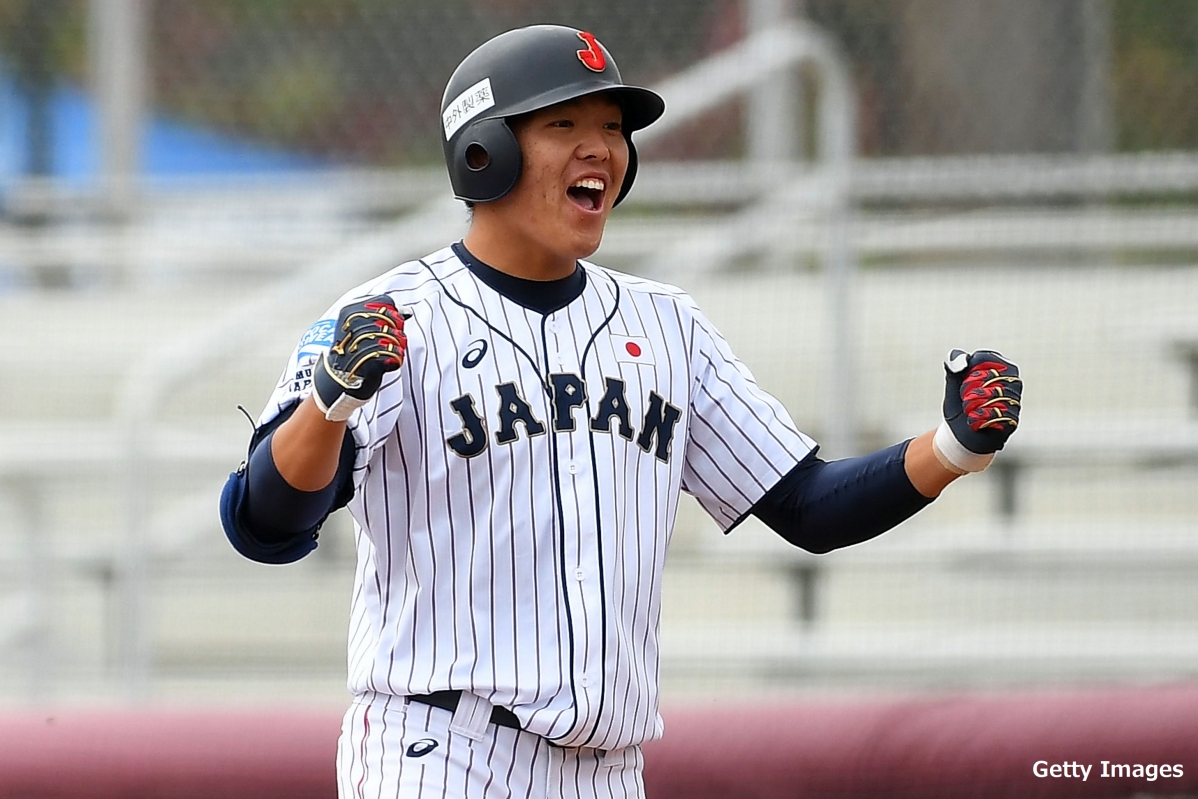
[849, 188]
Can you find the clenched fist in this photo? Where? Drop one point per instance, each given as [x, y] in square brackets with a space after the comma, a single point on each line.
[982, 398]
[368, 343]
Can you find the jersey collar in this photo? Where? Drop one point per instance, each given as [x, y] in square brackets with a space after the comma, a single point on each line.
[542, 296]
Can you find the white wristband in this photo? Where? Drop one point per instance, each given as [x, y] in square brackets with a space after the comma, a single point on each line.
[341, 409]
[954, 456]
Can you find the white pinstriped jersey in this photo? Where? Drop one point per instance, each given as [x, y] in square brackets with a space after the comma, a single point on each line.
[517, 482]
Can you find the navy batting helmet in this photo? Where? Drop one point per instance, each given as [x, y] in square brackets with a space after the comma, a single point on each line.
[517, 72]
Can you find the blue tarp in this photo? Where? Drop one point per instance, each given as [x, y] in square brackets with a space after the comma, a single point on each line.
[169, 147]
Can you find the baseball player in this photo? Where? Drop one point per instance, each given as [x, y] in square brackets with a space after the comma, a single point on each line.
[511, 427]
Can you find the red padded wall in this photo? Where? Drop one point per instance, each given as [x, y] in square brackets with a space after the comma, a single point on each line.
[928, 747]
[160, 754]
[954, 746]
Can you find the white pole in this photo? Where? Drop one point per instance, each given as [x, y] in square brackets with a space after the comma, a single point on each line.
[117, 32]
[837, 148]
[39, 665]
[117, 40]
[1095, 134]
[773, 109]
[772, 126]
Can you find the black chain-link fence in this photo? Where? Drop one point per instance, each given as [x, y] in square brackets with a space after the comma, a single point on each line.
[360, 81]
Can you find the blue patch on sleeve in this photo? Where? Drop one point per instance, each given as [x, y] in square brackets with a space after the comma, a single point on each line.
[318, 338]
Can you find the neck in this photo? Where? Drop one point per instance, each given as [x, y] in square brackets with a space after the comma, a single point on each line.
[502, 246]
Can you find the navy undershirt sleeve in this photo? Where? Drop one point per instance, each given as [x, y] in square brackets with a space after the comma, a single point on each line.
[821, 505]
[278, 512]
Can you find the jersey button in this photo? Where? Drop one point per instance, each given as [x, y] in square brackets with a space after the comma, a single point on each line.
[579, 574]
[572, 468]
[583, 681]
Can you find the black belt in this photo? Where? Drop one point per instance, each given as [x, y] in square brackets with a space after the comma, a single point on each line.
[448, 700]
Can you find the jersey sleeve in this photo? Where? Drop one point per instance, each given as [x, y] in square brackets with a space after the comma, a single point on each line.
[741, 439]
[368, 424]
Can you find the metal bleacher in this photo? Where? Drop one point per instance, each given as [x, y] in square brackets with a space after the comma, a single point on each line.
[118, 578]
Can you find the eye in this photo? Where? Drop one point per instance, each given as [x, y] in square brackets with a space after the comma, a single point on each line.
[616, 126]
[562, 123]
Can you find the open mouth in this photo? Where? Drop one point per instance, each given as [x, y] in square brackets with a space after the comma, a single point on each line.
[587, 193]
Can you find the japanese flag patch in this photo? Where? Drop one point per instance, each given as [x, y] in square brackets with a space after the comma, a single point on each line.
[631, 349]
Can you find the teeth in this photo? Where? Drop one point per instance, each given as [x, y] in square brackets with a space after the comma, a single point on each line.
[590, 183]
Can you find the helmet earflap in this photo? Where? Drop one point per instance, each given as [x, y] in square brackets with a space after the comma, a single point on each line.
[629, 174]
[483, 180]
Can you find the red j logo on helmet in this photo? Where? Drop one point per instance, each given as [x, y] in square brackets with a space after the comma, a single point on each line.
[592, 57]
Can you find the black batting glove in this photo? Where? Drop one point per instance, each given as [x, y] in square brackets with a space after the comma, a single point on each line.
[982, 397]
[368, 343]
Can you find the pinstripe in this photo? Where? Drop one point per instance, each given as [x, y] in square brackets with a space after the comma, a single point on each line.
[430, 555]
[539, 609]
[557, 777]
[592, 329]
[362, 751]
[603, 614]
[494, 582]
[482, 561]
[610, 779]
[382, 741]
[417, 609]
[555, 478]
[462, 616]
[514, 492]
[584, 627]
[438, 613]
[491, 760]
[405, 546]
[582, 333]
[445, 776]
[634, 716]
[388, 558]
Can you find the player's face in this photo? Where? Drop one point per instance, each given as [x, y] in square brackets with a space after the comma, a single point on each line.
[575, 158]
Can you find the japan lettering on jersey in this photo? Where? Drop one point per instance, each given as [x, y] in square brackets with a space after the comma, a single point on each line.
[517, 481]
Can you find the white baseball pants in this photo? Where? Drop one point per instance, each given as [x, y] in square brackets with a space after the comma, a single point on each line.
[398, 750]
